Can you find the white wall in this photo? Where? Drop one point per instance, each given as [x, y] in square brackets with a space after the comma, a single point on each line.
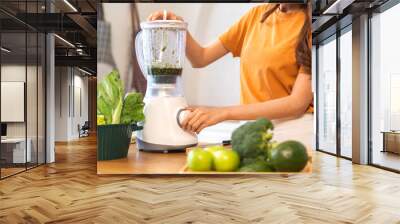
[14, 73]
[80, 83]
[119, 16]
[17, 73]
[68, 83]
[215, 85]
[33, 127]
[61, 103]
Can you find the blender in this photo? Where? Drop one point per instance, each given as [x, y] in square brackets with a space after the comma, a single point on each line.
[160, 49]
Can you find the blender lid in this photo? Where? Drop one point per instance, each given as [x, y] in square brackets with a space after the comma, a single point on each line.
[175, 24]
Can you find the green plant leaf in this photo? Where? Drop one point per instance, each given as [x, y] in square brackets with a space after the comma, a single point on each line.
[132, 110]
[110, 98]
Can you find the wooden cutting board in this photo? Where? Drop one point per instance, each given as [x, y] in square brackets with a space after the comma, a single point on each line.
[307, 168]
[145, 163]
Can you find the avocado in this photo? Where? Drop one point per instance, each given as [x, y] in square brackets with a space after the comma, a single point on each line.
[288, 156]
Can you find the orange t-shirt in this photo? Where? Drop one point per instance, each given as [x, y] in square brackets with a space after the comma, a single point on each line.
[267, 52]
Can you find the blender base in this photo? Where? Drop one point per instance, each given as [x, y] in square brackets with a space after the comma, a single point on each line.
[150, 147]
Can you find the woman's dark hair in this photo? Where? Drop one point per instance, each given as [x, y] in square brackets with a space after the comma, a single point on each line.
[303, 49]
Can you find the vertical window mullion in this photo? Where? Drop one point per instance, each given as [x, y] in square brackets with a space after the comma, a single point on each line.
[316, 97]
[26, 86]
[0, 95]
[37, 90]
[338, 76]
[369, 78]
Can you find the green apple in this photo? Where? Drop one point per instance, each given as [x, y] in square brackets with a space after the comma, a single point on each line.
[226, 160]
[214, 148]
[199, 160]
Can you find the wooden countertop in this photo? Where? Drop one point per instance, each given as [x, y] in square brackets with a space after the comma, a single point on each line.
[139, 162]
[162, 163]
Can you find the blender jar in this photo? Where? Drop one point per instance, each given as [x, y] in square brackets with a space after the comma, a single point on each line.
[160, 48]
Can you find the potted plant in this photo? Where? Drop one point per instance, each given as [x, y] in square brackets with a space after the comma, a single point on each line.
[117, 117]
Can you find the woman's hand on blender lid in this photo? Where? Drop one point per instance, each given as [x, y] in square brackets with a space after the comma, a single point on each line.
[159, 15]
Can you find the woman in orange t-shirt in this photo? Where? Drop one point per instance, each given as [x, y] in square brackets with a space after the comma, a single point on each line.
[273, 42]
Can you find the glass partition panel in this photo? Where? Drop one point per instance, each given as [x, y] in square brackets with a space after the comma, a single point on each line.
[14, 153]
[32, 98]
[327, 96]
[385, 89]
[41, 78]
[22, 67]
[346, 94]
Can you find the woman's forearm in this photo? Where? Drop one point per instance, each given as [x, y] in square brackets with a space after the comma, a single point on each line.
[194, 51]
[293, 105]
[202, 56]
[274, 109]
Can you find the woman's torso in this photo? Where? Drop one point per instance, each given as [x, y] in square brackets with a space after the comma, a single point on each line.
[268, 58]
[267, 52]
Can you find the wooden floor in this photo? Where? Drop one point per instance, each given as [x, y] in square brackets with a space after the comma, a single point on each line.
[5, 172]
[69, 191]
[387, 159]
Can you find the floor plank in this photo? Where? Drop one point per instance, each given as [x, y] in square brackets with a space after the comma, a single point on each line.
[69, 191]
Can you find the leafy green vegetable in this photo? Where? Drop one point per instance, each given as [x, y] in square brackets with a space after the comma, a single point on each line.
[259, 153]
[110, 101]
[110, 98]
[252, 139]
[256, 166]
[132, 111]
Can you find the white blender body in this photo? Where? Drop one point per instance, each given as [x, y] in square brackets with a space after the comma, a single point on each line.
[160, 49]
[161, 131]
